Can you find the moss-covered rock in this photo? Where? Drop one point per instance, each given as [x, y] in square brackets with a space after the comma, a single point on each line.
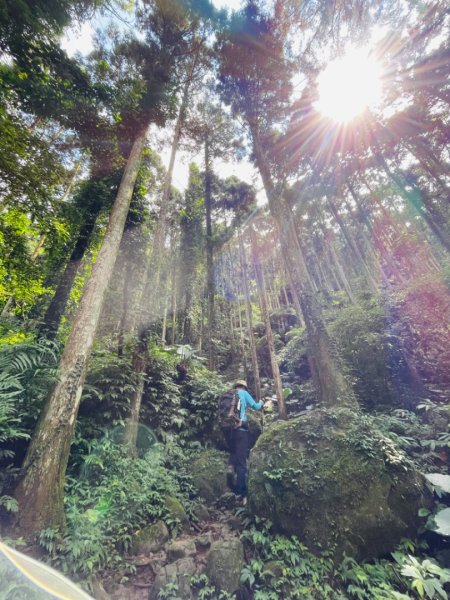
[255, 427]
[179, 573]
[150, 539]
[208, 472]
[332, 479]
[177, 512]
[225, 562]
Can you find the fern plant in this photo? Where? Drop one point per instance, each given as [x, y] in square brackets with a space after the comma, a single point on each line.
[26, 371]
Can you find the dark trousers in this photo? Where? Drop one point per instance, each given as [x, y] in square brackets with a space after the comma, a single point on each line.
[237, 441]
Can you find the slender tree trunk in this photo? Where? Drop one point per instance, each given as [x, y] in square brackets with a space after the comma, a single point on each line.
[338, 270]
[418, 199]
[269, 335]
[241, 335]
[164, 323]
[248, 310]
[57, 306]
[352, 244]
[40, 492]
[139, 367]
[150, 289]
[173, 305]
[341, 276]
[331, 385]
[209, 257]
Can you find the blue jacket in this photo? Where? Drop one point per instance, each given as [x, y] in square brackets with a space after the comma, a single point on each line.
[247, 400]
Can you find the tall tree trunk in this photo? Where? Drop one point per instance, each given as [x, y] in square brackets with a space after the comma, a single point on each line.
[150, 289]
[173, 304]
[209, 257]
[418, 199]
[331, 385]
[248, 311]
[164, 323]
[57, 306]
[241, 334]
[268, 327]
[355, 250]
[40, 492]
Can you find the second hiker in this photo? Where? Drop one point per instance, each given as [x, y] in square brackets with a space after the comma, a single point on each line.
[233, 415]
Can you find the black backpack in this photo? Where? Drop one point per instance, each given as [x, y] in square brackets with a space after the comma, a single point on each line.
[229, 409]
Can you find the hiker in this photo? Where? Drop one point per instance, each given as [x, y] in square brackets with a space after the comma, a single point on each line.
[235, 430]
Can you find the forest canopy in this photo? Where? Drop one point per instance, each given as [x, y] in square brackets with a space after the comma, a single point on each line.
[211, 192]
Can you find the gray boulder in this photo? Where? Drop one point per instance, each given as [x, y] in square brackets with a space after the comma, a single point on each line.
[150, 539]
[176, 511]
[180, 549]
[178, 572]
[225, 563]
[331, 478]
[208, 472]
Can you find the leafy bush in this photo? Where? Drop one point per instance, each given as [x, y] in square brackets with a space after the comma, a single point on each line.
[110, 382]
[283, 569]
[113, 497]
[27, 370]
[363, 340]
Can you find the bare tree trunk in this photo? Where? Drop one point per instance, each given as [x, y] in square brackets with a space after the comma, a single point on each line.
[241, 336]
[40, 491]
[352, 244]
[57, 306]
[332, 387]
[209, 257]
[248, 310]
[164, 323]
[173, 306]
[151, 285]
[269, 335]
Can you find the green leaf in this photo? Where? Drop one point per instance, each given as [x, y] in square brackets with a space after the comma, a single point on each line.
[439, 480]
[442, 520]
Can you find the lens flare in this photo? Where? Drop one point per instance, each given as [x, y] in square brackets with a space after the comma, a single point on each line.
[349, 85]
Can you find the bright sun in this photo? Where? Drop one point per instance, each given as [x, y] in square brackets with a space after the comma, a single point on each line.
[348, 85]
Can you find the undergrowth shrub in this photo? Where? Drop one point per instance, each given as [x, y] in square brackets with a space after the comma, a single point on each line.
[27, 370]
[365, 344]
[112, 497]
[283, 568]
[110, 382]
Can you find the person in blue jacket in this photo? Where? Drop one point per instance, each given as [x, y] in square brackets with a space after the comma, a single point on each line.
[238, 440]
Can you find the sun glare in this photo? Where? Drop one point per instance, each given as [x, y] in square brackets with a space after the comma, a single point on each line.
[348, 85]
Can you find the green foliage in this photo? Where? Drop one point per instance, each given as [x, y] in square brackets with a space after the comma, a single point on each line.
[27, 370]
[283, 568]
[201, 587]
[360, 332]
[23, 369]
[110, 382]
[426, 577]
[21, 277]
[112, 497]
[204, 590]
[187, 407]
[295, 347]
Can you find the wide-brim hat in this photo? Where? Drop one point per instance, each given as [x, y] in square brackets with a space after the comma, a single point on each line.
[241, 382]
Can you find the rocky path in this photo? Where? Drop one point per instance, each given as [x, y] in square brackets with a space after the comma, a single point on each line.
[211, 546]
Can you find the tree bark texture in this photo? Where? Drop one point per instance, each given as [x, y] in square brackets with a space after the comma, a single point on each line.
[266, 318]
[248, 310]
[57, 306]
[40, 489]
[331, 385]
[209, 257]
